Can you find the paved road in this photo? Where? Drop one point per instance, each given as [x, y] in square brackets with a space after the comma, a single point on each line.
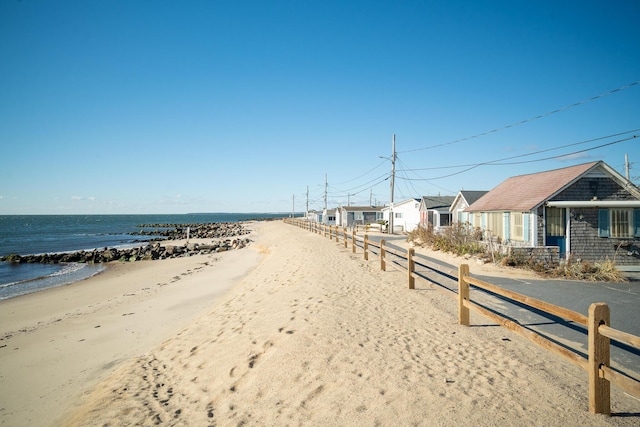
[623, 300]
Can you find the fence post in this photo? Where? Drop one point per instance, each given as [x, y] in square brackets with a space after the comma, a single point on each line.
[353, 240]
[599, 355]
[383, 264]
[411, 266]
[463, 295]
[366, 247]
[345, 237]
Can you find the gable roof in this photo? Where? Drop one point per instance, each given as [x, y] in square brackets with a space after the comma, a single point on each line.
[435, 202]
[361, 208]
[472, 196]
[404, 202]
[468, 196]
[526, 192]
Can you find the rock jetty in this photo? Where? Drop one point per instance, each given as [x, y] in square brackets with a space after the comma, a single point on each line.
[152, 251]
[218, 230]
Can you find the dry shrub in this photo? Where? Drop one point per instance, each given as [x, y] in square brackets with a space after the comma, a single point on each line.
[459, 239]
[602, 271]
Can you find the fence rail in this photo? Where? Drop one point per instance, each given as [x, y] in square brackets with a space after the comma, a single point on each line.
[600, 333]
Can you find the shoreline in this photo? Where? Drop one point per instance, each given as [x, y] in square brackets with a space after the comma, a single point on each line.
[58, 343]
[206, 239]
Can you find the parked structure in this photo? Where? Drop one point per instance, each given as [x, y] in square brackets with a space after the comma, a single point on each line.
[434, 211]
[589, 212]
[406, 215]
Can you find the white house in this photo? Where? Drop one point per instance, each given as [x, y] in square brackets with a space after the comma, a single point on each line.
[328, 216]
[406, 215]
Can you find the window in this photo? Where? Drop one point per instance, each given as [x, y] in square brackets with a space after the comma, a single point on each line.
[555, 221]
[445, 219]
[495, 223]
[477, 220]
[397, 214]
[516, 226]
[619, 223]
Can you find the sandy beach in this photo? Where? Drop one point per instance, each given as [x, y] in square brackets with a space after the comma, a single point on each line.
[59, 343]
[292, 330]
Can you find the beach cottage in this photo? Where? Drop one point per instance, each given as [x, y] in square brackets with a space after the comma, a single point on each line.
[462, 201]
[348, 216]
[406, 215]
[588, 212]
[434, 211]
[313, 216]
[328, 216]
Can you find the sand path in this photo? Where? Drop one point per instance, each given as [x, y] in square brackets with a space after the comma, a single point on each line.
[315, 335]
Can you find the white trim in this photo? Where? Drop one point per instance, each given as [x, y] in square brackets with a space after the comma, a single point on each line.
[595, 204]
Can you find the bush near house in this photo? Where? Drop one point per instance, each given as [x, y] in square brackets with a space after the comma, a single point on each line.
[461, 239]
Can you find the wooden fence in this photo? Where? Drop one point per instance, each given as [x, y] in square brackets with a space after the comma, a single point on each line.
[597, 323]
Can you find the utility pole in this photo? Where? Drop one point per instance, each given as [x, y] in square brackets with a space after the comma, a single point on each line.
[293, 205]
[325, 192]
[348, 199]
[307, 200]
[626, 166]
[370, 196]
[393, 177]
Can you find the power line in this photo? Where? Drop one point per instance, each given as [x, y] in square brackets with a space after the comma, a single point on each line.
[495, 162]
[593, 98]
[528, 154]
[360, 176]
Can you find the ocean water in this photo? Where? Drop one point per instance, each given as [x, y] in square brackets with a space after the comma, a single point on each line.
[40, 234]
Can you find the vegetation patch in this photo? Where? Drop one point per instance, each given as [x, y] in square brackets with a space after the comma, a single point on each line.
[461, 239]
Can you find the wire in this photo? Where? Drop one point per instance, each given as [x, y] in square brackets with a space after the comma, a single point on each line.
[495, 162]
[593, 98]
[385, 176]
[367, 172]
[406, 178]
[529, 154]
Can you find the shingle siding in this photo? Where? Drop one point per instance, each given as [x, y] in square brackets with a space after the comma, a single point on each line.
[586, 188]
[587, 246]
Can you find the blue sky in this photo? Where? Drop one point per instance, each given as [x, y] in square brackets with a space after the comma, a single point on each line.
[239, 106]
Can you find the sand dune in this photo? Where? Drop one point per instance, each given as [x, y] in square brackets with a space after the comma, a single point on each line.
[315, 335]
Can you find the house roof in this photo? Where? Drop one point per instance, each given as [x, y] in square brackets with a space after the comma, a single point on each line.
[526, 192]
[434, 202]
[404, 202]
[472, 196]
[361, 208]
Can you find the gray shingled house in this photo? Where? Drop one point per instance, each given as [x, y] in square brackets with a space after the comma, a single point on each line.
[588, 212]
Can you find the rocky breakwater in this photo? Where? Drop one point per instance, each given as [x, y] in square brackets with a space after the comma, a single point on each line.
[217, 230]
[151, 251]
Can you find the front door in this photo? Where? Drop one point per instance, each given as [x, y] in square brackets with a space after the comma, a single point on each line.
[555, 234]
